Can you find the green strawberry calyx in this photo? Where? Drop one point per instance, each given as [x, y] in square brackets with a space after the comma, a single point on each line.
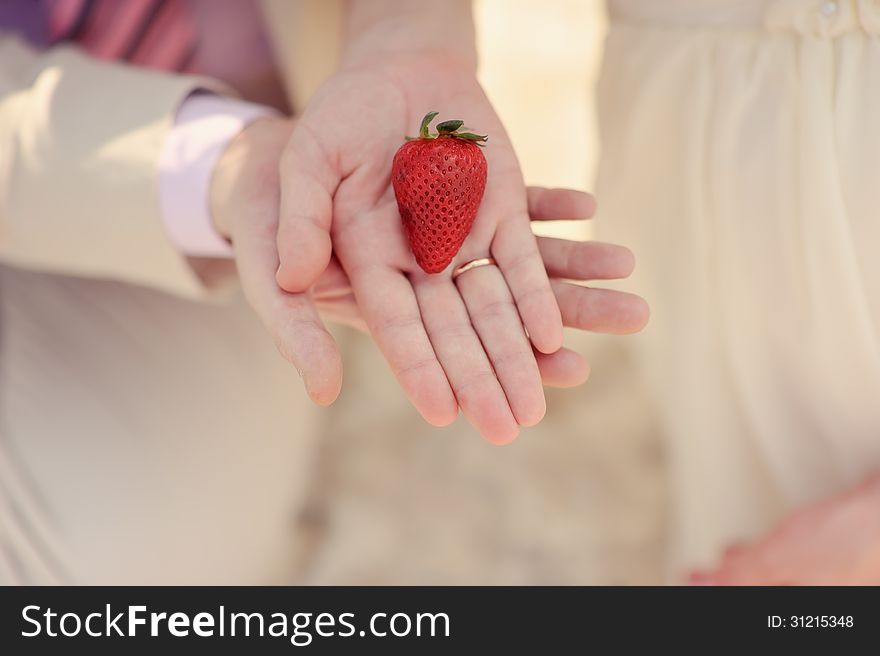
[447, 129]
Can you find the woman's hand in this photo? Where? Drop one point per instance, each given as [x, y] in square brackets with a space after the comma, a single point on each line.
[245, 207]
[470, 344]
[835, 542]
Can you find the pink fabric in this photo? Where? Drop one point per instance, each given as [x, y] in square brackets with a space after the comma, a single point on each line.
[158, 34]
[204, 126]
[62, 17]
[171, 40]
[224, 39]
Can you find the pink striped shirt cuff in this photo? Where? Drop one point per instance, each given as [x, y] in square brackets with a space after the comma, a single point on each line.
[204, 126]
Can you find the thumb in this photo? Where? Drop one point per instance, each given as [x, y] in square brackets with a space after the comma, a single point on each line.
[306, 209]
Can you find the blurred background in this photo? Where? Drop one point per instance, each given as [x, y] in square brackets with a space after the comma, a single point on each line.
[576, 500]
[539, 67]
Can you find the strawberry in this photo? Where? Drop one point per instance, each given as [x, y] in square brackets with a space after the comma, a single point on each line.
[439, 181]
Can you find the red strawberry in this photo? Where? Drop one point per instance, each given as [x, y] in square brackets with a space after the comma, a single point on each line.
[439, 182]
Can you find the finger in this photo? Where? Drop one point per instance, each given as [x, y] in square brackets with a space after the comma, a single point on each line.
[463, 359]
[392, 314]
[291, 319]
[565, 368]
[334, 299]
[495, 318]
[333, 283]
[585, 260]
[600, 310]
[303, 238]
[516, 252]
[559, 204]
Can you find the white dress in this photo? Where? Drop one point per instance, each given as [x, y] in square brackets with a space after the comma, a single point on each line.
[741, 162]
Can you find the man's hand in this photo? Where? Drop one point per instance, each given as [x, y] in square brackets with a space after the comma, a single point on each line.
[245, 208]
[835, 542]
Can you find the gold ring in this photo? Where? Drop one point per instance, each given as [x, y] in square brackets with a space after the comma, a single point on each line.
[473, 264]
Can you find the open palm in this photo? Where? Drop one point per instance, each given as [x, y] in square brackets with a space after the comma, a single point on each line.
[245, 206]
[450, 344]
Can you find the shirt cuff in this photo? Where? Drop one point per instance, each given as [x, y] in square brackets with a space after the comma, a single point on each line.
[204, 125]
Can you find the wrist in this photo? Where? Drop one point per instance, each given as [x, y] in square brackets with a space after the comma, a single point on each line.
[251, 156]
[409, 28]
[204, 125]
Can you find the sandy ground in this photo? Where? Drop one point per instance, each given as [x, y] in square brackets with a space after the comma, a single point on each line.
[579, 499]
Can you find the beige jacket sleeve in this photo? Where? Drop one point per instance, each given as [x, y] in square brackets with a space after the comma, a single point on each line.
[80, 140]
